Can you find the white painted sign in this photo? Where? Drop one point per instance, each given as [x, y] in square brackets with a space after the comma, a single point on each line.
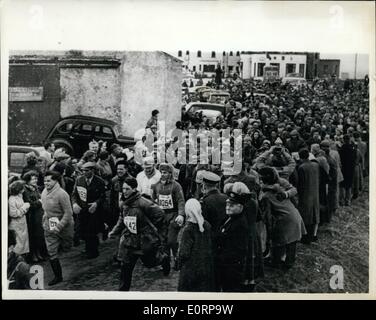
[26, 94]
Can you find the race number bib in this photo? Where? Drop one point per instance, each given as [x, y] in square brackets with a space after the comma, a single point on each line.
[131, 223]
[165, 201]
[176, 173]
[82, 193]
[53, 222]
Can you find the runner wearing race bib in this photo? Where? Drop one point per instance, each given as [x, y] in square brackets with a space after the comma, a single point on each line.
[142, 227]
[169, 196]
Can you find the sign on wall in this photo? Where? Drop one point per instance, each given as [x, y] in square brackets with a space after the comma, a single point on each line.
[25, 94]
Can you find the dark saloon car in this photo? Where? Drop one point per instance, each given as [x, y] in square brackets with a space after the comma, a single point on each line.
[75, 132]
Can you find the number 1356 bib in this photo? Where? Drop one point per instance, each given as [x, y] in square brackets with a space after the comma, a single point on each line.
[131, 223]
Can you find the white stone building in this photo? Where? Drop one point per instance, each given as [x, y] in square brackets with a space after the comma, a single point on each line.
[253, 63]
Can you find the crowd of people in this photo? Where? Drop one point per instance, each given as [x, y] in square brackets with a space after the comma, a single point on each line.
[304, 155]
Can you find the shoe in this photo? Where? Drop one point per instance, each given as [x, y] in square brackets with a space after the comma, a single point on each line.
[166, 267]
[56, 268]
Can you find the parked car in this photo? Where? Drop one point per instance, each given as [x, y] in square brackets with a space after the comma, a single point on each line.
[75, 132]
[295, 79]
[220, 97]
[17, 157]
[210, 110]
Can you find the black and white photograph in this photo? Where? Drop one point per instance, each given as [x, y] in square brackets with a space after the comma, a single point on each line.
[187, 166]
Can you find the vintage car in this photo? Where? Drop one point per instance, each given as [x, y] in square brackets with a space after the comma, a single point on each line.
[210, 110]
[75, 132]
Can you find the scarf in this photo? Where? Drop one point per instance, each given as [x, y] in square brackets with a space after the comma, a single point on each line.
[193, 212]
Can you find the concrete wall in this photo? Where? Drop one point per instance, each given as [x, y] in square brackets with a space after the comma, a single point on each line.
[144, 81]
[91, 91]
[149, 80]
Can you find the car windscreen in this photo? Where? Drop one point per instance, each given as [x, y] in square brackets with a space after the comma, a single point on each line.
[198, 108]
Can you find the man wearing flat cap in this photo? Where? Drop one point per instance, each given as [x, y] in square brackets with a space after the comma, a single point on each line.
[88, 198]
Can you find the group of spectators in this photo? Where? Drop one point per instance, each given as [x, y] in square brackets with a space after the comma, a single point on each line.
[304, 154]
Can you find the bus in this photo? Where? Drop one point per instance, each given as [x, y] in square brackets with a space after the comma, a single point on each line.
[271, 73]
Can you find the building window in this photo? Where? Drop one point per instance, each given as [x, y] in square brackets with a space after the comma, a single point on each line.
[237, 53]
[194, 68]
[336, 69]
[209, 68]
[224, 53]
[301, 69]
[199, 67]
[274, 57]
[316, 56]
[254, 69]
[230, 68]
[283, 57]
[230, 53]
[213, 54]
[187, 53]
[179, 53]
[260, 69]
[326, 68]
[290, 68]
[198, 54]
[237, 69]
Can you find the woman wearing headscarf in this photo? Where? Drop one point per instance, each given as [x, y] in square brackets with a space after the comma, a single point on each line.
[285, 226]
[195, 257]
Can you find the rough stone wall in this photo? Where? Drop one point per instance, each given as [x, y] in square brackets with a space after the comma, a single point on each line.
[127, 95]
[91, 91]
[150, 80]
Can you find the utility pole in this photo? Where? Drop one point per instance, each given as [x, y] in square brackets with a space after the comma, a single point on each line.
[356, 63]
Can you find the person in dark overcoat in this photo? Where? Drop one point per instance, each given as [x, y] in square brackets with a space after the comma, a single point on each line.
[195, 254]
[332, 183]
[254, 263]
[348, 158]
[285, 226]
[37, 244]
[232, 245]
[308, 192]
[88, 198]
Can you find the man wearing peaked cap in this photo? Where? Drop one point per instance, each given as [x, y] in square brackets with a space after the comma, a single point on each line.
[210, 177]
[232, 243]
[213, 204]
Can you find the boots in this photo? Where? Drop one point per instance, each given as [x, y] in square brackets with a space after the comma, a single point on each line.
[56, 268]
